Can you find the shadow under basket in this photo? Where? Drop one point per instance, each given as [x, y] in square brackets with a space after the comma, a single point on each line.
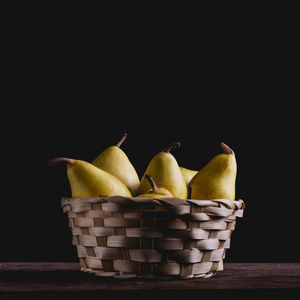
[127, 237]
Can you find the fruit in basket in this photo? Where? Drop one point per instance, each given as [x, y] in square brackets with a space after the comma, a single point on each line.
[164, 170]
[217, 179]
[187, 174]
[86, 180]
[114, 161]
[155, 191]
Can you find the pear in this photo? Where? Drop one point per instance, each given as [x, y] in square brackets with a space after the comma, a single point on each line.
[86, 180]
[114, 161]
[164, 170]
[217, 179]
[155, 192]
[187, 174]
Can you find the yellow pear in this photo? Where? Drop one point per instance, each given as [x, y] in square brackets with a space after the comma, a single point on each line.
[155, 191]
[187, 174]
[86, 180]
[164, 170]
[114, 161]
[217, 179]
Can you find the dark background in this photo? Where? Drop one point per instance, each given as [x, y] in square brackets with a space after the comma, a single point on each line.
[73, 92]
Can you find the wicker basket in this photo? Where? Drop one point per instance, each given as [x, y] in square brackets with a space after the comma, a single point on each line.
[128, 237]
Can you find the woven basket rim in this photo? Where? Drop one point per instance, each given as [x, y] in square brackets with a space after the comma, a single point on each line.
[125, 201]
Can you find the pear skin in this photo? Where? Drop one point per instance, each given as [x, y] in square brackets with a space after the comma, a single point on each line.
[151, 195]
[155, 192]
[114, 161]
[217, 179]
[187, 174]
[86, 180]
[164, 170]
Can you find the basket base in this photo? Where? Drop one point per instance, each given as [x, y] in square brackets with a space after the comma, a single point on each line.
[149, 276]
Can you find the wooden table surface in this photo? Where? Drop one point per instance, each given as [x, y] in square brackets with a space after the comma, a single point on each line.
[41, 279]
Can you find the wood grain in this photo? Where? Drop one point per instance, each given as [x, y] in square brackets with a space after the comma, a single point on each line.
[23, 277]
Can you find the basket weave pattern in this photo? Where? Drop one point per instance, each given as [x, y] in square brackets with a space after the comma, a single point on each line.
[127, 237]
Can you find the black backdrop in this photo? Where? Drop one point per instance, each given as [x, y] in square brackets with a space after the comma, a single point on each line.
[70, 100]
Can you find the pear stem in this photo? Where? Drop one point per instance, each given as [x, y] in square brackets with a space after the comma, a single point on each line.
[189, 196]
[120, 142]
[56, 160]
[227, 149]
[173, 145]
[152, 183]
